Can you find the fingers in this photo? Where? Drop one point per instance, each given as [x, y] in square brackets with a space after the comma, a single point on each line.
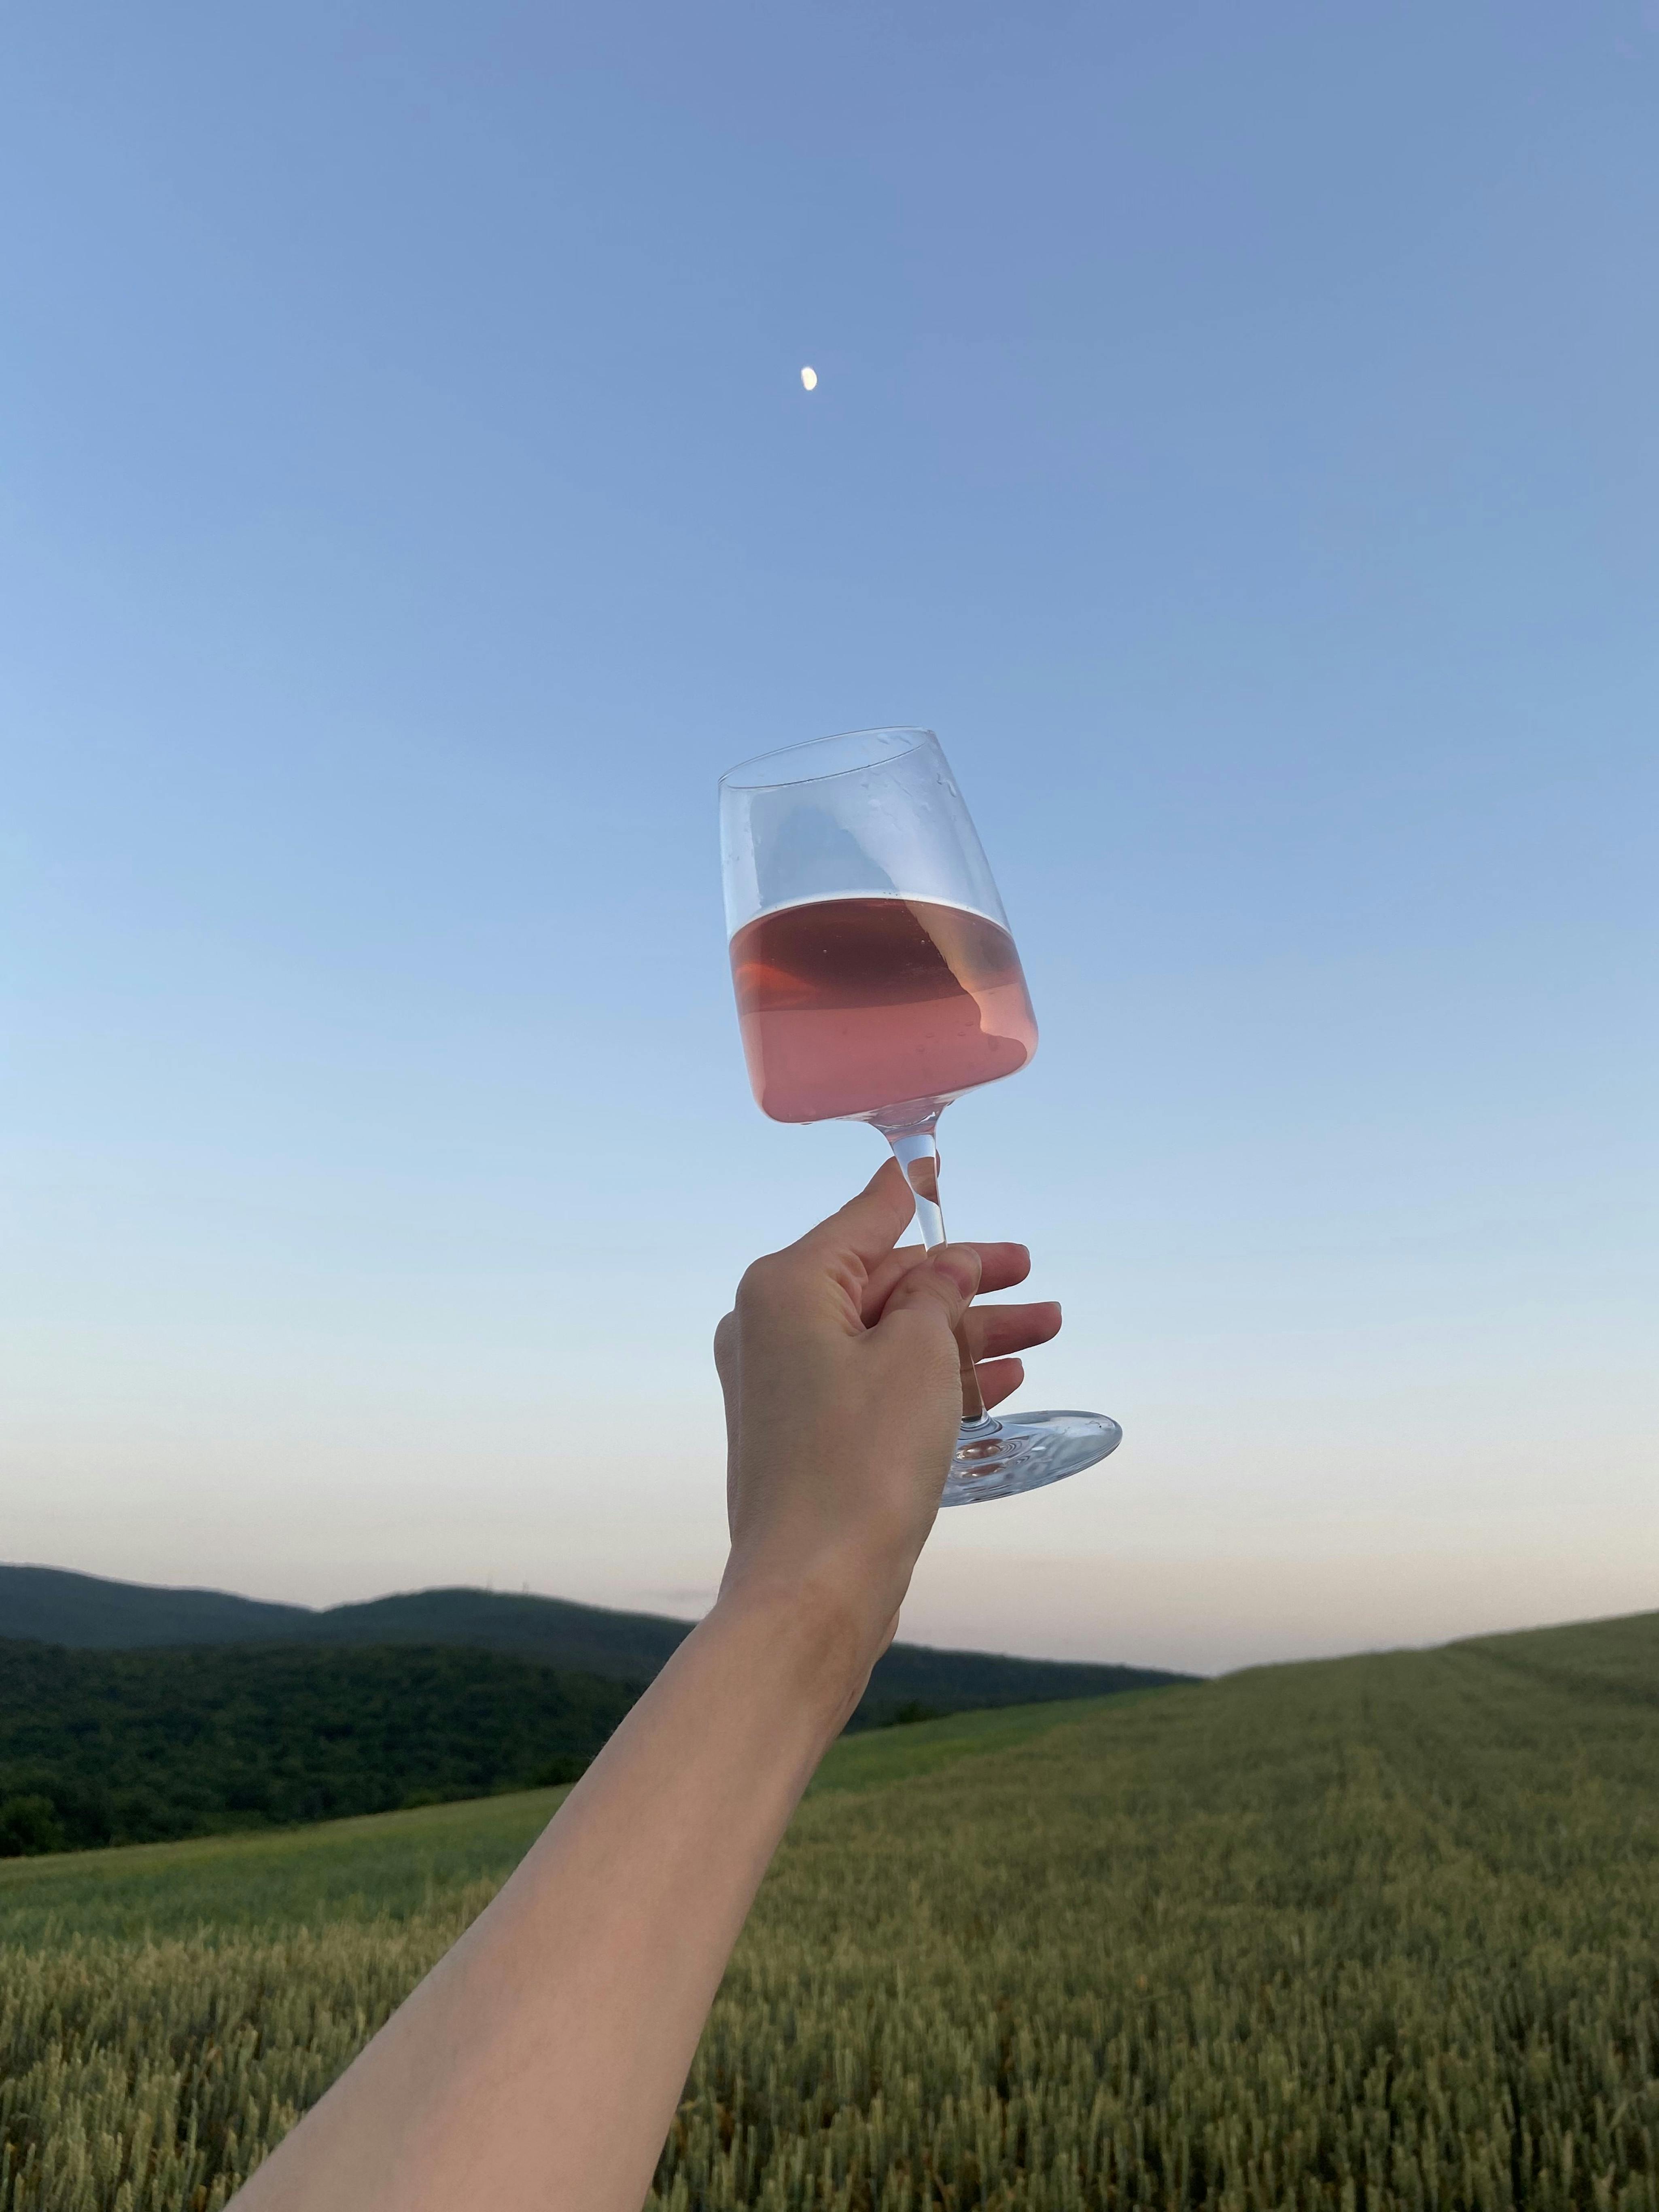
[941, 1284]
[857, 1244]
[1000, 1379]
[868, 1226]
[992, 1330]
[1001, 1266]
[726, 1347]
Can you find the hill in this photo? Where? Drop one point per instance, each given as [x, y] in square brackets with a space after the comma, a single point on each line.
[1596, 1662]
[1373, 1933]
[48, 1605]
[133, 1746]
[84, 1611]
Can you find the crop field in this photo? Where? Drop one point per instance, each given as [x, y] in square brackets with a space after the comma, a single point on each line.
[1380, 1932]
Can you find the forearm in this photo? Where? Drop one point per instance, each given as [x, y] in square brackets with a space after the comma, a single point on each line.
[539, 2063]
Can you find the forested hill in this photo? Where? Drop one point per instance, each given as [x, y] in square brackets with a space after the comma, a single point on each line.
[49, 1605]
[139, 1746]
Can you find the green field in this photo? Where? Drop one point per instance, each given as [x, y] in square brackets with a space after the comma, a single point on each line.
[1376, 1932]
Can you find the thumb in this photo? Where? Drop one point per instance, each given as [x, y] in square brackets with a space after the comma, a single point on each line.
[942, 1283]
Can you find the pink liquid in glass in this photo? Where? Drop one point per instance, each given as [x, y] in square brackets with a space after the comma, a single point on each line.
[850, 1005]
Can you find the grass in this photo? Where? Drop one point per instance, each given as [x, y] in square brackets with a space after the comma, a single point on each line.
[880, 1758]
[382, 1866]
[1379, 1933]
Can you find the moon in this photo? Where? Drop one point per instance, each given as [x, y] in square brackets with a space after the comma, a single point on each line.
[809, 378]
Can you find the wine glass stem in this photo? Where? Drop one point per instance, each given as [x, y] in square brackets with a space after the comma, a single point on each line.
[916, 1151]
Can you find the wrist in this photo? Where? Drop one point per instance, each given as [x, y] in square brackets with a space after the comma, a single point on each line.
[813, 1637]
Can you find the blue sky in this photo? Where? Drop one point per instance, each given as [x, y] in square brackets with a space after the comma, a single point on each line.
[1236, 435]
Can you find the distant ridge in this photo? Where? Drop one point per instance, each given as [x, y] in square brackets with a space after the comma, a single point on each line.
[51, 1605]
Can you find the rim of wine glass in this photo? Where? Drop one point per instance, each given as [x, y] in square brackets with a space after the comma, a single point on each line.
[738, 781]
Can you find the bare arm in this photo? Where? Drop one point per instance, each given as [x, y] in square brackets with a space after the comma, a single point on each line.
[540, 2062]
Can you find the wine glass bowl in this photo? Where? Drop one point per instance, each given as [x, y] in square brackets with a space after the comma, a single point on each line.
[877, 980]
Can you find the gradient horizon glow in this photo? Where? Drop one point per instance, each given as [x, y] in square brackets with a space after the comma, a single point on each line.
[1234, 434]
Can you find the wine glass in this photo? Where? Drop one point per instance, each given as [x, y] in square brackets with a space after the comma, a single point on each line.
[877, 981]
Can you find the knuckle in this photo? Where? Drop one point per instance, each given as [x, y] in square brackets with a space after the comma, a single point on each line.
[765, 1286]
[756, 1289]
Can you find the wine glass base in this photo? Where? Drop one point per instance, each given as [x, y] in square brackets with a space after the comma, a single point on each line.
[1001, 1457]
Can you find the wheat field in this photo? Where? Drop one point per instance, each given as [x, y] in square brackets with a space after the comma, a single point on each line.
[1372, 1933]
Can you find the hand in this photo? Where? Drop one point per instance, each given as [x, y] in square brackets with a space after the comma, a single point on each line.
[843, 1396]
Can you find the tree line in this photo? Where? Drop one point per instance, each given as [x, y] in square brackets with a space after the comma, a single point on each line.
[103, 1747]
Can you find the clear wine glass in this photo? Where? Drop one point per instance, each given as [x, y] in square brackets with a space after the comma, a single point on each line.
[877, 981]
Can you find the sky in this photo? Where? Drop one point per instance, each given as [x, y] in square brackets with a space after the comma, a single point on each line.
[1235, 434]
